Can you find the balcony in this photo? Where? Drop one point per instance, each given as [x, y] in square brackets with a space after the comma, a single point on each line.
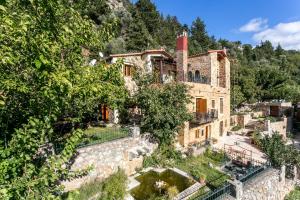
[203, 118]
[191, 78]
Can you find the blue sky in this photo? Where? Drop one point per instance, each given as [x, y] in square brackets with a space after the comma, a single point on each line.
[249, 21]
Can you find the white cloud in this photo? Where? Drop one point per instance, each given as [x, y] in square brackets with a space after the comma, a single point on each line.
[255, 25]
[285, 34]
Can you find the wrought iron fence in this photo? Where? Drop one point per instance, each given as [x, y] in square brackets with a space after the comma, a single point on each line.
[227, 188]
[254, 172]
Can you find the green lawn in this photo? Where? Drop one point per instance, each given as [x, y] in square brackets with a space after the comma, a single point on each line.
[97, 135]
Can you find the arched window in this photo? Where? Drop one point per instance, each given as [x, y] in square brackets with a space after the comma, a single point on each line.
[197, 76]
[190, 76]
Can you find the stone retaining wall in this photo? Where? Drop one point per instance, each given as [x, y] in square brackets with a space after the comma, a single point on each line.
[267, 186]
[106, 158]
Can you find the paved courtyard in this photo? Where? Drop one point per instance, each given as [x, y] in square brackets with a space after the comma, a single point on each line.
[239, 142]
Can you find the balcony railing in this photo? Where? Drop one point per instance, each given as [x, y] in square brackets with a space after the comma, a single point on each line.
[203, 118]
[193, 78]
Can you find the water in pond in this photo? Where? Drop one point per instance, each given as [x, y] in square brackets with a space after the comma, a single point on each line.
[147, 190]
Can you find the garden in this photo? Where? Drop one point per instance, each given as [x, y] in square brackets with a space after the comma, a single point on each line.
[97, 135]
[163, 185]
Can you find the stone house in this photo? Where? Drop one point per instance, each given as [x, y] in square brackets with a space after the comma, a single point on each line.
[206, 74]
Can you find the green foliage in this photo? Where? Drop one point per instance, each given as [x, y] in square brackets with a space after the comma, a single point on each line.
[199, 40]
[293, 195]
[236, 128]
[164, 156]
[97, 135]
[149, 14]
[199, 165]
[137, 36]
[256, 139]
[114, 188]
[164, 108]
[279, 153]
[34, 173]
[45, 79]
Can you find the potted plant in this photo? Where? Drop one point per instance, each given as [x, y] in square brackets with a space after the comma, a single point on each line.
[202, 178]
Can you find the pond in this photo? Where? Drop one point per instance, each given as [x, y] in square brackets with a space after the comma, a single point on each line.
[148, 188]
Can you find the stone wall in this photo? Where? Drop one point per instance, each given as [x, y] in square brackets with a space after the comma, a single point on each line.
[267, 186]
[200, 63]
[278, 126]
[243, 120]
[106, 158]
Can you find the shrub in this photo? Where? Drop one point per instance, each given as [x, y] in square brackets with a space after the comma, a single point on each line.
[114, 188]
[236, 128]
[164, 156]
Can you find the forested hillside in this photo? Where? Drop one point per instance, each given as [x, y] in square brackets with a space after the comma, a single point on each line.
[262, 72]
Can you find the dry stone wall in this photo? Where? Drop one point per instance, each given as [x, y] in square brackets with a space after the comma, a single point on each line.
[106, 158]
[267, 186]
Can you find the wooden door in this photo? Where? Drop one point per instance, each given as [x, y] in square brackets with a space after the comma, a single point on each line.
[274, 111]
[206, 133]
[104, 113]
[201, 105]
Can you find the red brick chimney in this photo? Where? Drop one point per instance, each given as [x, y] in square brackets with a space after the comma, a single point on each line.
[182, 55]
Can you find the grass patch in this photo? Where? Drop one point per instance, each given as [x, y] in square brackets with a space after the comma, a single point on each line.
[97, 135]
[113, 188]
[196, 166]
[293, 195]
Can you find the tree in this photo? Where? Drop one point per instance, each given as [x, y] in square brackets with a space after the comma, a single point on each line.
[279, 51]
[199, 39]
[149, 15]
[170, 27]
[274, 148]
[45, 79]
[278, 152]
[137, 36]
[164, 108]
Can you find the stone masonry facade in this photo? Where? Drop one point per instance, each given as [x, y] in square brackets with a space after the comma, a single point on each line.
[213, 87]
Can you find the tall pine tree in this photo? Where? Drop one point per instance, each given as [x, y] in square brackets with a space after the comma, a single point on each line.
[149, 15]
[137, 37]
[199, 38]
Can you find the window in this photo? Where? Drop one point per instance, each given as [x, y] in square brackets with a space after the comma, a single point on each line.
[190, 76]
[221, 105]
[202, 132]
[213, 104]
[197, 76]
[197, 133]
[128, 70]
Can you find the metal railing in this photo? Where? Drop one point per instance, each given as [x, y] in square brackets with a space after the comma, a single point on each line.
[192, 78]
[202, 118]
[227, 188]
[252, 173]
[98, 135]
